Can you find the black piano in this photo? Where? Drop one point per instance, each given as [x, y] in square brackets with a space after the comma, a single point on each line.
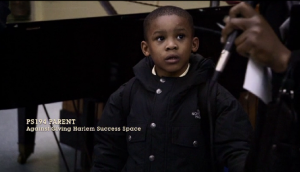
[52, 61]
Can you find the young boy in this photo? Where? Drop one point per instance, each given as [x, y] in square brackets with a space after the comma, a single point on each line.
[164, 130]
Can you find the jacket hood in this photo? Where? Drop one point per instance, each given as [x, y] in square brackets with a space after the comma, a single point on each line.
[200, 71]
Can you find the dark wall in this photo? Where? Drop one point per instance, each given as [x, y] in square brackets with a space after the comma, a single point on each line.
[43, 62]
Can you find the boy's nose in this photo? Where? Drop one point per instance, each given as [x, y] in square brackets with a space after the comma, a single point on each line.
[171, 46]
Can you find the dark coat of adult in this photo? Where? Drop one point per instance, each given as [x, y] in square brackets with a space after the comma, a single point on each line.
[172, 137]
[276, 145]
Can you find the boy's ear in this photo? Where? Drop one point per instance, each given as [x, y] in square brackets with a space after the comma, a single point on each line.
[195, 44]
[145, 48]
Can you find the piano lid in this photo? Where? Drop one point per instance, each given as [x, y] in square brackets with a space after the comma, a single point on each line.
[50, 61]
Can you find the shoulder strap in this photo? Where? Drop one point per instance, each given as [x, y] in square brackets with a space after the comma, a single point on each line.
[126, 98]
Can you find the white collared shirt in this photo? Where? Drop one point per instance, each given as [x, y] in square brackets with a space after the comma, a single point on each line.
[183, 74]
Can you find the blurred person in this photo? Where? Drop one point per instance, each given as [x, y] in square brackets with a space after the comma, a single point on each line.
[276, 144]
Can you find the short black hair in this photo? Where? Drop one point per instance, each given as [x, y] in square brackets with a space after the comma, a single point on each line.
[167, 10]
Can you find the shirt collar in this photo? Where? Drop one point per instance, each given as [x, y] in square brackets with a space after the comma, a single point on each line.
[183, 74]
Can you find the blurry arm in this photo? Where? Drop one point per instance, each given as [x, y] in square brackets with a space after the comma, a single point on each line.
[258, 40]
[232, 132]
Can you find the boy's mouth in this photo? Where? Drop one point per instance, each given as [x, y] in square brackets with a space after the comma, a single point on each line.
[172, 59]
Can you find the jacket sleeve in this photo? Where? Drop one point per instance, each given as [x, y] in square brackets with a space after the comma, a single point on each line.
[294, 76]
[232, 131]
[110, 151]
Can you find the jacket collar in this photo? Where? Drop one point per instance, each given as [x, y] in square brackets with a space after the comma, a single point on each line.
[200, 71]
[182, 75]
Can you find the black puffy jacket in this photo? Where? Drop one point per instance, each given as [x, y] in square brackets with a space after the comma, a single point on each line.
[172, 137]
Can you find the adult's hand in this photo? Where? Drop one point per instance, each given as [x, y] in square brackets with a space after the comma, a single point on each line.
[258, 40]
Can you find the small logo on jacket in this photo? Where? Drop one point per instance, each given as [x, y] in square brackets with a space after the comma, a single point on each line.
[197, 114]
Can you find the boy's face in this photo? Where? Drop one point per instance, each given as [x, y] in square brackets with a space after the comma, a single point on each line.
[170, 43]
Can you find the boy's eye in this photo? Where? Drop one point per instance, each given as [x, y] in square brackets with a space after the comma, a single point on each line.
[160, 38]
[180, 36]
